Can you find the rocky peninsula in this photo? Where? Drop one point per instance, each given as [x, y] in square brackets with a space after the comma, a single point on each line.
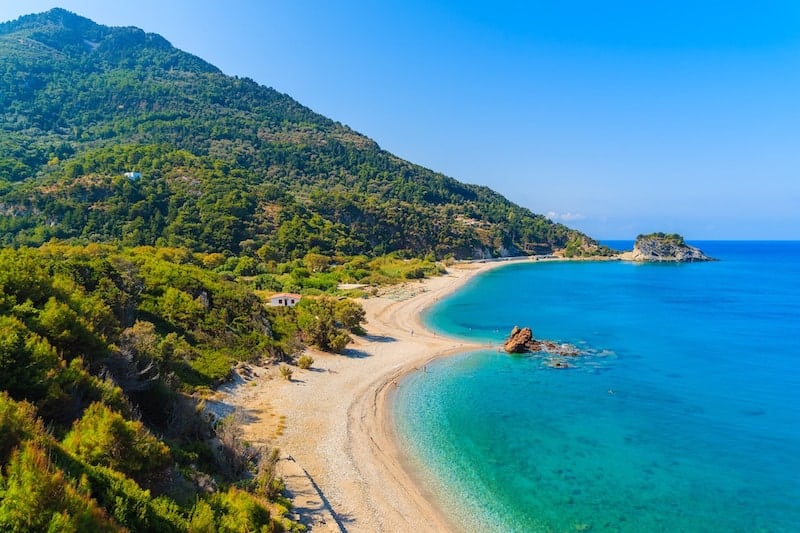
[664, 247]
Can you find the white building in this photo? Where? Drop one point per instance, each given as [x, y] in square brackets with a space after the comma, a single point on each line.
[133, 176]
[286, 299]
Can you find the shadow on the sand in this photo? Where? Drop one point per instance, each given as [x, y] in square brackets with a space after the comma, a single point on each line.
[355, 354]
[312, 508]
[379, 338]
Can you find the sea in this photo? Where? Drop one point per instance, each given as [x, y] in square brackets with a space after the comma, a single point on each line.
[683, 416]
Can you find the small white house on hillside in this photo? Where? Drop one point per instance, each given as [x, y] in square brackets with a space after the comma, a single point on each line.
[286, 299]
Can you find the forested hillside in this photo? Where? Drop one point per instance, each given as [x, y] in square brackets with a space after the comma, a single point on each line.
[214, 162]
[99, 352]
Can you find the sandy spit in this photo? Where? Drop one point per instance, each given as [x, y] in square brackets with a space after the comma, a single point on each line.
[341, 460]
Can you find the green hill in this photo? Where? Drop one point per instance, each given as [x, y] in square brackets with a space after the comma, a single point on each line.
[222, 163]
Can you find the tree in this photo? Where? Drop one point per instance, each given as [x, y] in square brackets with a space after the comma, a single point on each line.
[103, 437]
[38, 497]
[237, 453]
[26, 360]
[350, 315]
[316, 319]
[180, 308]
[18, 423]
[317, 262]
[324, 321]
[141, 339]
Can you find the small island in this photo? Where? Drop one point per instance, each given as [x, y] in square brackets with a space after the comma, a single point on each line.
[664, 247]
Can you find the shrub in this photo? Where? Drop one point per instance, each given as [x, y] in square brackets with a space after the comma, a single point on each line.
[202, 518]
[239, 511]
[129, 504]
[267, 483]
[17, 423]
[26, 359]
[38, 497]
[305, 361]
[286, 372]
[321, 320]
[237, 454]
[415, 273]
[103, 437]
[339, 342]
[350, 315]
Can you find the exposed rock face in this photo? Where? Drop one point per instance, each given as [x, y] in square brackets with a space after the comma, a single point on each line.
[521, 341]
[664, 247]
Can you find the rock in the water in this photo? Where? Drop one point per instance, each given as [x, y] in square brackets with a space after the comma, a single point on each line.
[519, 340]
[671, 247]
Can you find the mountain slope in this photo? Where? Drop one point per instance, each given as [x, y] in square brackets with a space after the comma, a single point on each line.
[223, 164]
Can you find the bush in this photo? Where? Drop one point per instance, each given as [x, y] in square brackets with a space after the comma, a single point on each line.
[321, 322]
[239, 511]
[415, 273]
[39, 497]
[267, 483]
[103, 437]
[350, 315]
[305, 361]
[286, 373]
[202, 518]
[18, 423]
[26, 359]
[129, 504]
[339, 342]
[237, 454]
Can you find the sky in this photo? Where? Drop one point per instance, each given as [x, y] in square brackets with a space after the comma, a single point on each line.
[613, 117]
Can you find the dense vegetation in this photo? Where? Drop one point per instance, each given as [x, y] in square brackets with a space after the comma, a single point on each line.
[102, 347]
[673, 238]
[226, 165]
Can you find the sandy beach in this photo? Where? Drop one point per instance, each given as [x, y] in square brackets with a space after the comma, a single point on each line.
[341, 461]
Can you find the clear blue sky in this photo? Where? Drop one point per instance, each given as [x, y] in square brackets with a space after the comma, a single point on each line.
[614, 117]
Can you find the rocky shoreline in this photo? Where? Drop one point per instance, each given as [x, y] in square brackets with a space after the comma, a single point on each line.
[664, 247]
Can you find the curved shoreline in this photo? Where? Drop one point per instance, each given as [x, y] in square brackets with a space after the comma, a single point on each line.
[372, 436]
[346, 469]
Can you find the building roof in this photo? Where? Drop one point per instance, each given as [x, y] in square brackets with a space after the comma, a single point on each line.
[285, 295]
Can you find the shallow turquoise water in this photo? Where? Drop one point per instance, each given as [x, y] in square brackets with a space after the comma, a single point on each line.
[686, 418]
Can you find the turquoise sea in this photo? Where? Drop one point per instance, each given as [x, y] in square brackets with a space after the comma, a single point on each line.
[686, 417]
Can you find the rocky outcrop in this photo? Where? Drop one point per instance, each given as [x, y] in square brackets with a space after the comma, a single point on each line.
[658, 247]
[521, 340]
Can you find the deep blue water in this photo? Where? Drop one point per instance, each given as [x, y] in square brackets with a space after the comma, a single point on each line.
[685, 418]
